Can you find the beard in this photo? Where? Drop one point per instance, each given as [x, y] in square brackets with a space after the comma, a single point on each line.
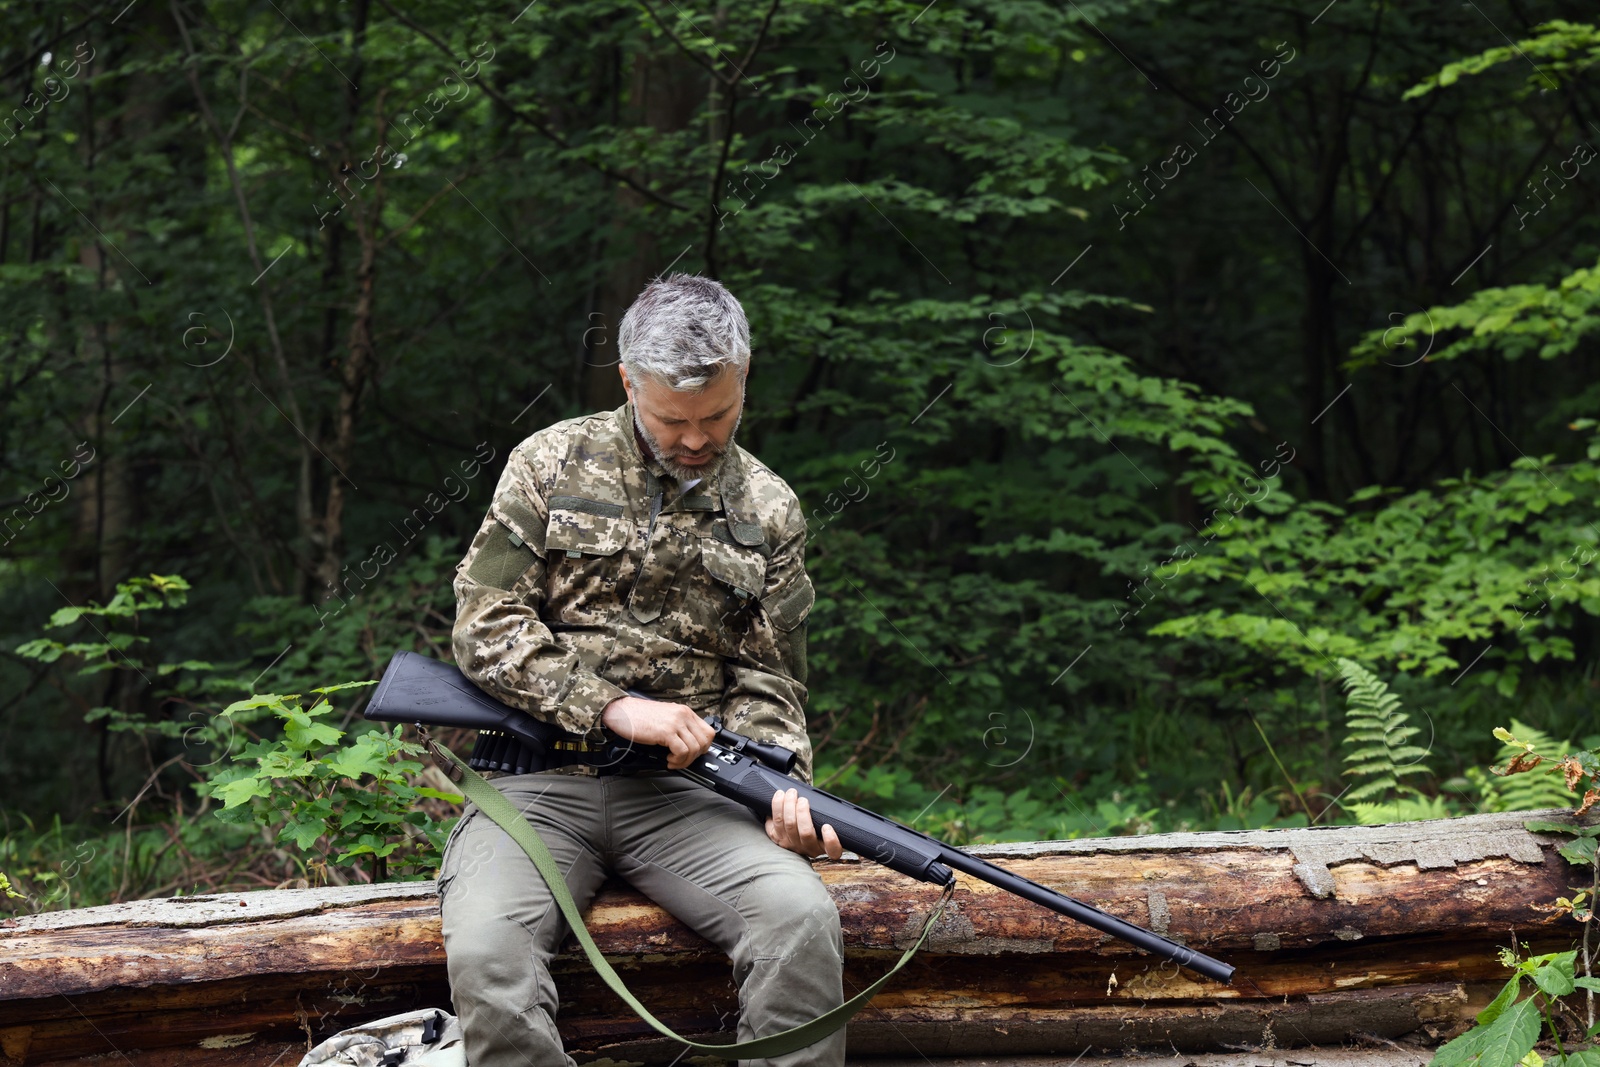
[706, 472]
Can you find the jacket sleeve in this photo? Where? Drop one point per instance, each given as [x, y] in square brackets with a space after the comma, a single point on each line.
[765, 694]
[500, 640]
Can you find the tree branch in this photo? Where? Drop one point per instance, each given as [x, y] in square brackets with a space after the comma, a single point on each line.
[516, 112]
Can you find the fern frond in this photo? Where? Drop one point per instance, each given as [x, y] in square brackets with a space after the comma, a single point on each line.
[1542, 787]
[1379, 730]
[1405, 809]
[1377, 787]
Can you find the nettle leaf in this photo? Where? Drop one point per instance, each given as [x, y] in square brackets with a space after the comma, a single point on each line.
[1545, 826]
[1500, 1044]
[240, 816]
[1556, 977]
[1503, 1000]
[1580, 852]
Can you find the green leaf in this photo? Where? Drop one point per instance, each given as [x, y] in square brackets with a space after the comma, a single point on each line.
[186, 665]
[1503, 1000]
[308, 735]
[357, 760]
[1500, 1044]
[239, 792]
[344, 685]
[1556, 977]
[1580, 852]
[43, 649]
[1545, 826]
[264, 700]
[304, 832]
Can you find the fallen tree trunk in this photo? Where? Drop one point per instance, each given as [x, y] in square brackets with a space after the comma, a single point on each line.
[1336, 931]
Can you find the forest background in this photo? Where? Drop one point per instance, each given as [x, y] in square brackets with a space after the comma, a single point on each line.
[1147, 371]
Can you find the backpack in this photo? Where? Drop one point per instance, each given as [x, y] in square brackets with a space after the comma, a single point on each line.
[426, 1038]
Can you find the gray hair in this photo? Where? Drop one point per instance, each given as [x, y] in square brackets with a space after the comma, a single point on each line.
[684, 331]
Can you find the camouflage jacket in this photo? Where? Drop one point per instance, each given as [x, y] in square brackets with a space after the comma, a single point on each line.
[574, 590]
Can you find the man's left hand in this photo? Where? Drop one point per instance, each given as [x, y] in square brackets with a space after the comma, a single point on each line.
[790, 825]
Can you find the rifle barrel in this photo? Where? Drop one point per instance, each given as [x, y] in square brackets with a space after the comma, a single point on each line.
[422, 690]
[921, 856]
[1088, 914]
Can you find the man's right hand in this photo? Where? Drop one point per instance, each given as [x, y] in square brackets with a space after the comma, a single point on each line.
[675, 727]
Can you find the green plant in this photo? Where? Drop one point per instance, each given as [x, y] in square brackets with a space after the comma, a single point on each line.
[1381, 731]
[133, 596]
[1508, 1028]
[116, 644]
[1521, 786]
[1580, 852]
[1578, 770]
[336, 801]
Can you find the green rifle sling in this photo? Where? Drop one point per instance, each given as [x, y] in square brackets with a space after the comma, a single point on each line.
[493, 803]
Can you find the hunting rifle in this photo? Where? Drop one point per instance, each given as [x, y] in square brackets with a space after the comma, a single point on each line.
[420, 690]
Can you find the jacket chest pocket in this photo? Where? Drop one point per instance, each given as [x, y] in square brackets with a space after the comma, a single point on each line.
[584, 555]
[732, 579]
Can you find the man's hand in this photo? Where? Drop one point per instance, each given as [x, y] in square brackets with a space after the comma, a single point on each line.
[676, 727]
[791, 827]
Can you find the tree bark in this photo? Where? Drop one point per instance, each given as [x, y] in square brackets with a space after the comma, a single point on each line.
[663, 94]
[1336, 932]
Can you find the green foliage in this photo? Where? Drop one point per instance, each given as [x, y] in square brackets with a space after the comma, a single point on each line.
[336, 799]
[1155, 460]
[120, 660]
[410, 606]
[1378, 589]
[1381, 731]
[1540, 785]
[1580, 851]
[111, 652]
[1415, 808]
[333, 800]
[1513, 321]
[1508, 1028]
[57, 865]
[1556, 47]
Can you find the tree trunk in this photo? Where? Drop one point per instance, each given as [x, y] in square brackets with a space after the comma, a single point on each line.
[663, 94]
[1337, 932]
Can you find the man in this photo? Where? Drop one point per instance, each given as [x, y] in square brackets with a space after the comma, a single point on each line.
[642, 549]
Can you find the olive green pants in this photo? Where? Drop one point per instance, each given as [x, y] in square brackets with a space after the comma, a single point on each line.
[702, 857]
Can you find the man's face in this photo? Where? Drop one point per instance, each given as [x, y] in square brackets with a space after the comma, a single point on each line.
[689, 433]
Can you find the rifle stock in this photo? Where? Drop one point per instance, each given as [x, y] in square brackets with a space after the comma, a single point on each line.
[421, 690]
